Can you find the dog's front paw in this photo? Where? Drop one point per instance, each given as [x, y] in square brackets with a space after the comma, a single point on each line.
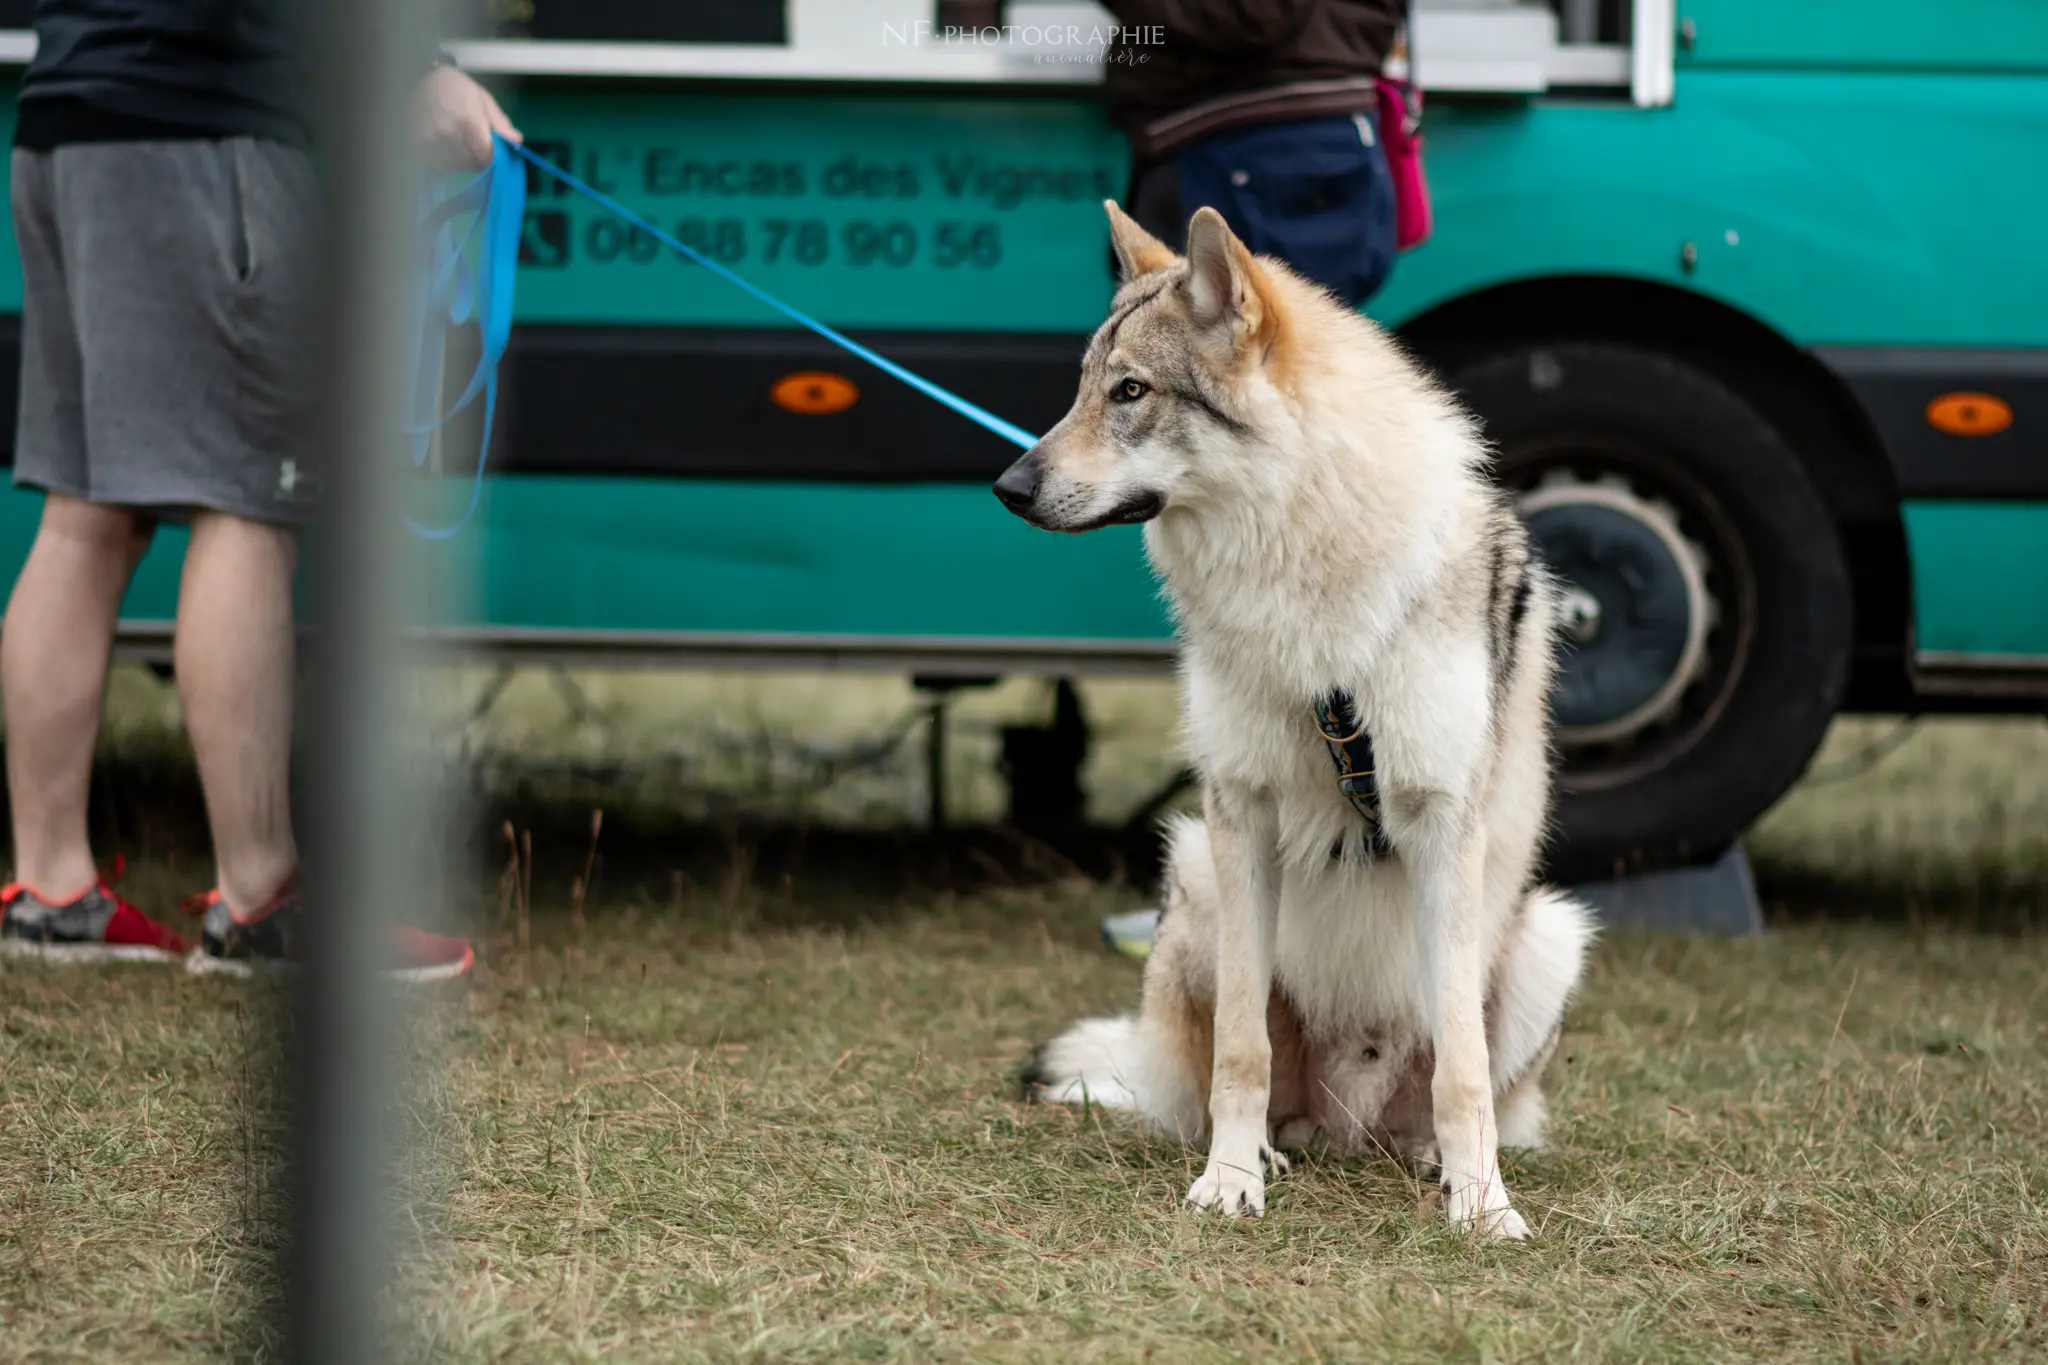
[1230, 1190]
[1474, 1205]
[1236, 1189]
[1503, 1225]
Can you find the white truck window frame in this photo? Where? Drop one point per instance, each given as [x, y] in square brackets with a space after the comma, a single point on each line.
[1483, 47]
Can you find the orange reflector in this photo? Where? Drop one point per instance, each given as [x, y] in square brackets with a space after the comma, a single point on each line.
[1969, 414]
[814, 393]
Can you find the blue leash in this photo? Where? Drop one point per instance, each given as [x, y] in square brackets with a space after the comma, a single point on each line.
[495, 202]
[449, 296]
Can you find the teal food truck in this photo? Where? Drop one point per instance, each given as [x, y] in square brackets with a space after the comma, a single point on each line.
[1752, 297]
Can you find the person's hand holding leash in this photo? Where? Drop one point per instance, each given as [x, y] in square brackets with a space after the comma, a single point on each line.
[458, 117]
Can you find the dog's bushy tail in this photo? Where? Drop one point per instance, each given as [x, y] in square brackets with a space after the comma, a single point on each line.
[1539, 971]
[1126, 1063]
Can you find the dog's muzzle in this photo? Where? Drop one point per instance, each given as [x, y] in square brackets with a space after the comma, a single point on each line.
[1021, 483]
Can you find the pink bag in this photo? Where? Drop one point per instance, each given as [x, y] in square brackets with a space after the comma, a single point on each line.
[1401, 135]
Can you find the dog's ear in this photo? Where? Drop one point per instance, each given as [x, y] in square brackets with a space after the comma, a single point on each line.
[1138, 252]
[1226, 287]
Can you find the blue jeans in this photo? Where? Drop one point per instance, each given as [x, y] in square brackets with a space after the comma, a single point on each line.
[1315, 193]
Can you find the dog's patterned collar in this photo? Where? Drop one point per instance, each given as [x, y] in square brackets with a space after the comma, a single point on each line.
[1350, 747]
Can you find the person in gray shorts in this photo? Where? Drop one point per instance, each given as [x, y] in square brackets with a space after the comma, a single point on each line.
[166, 212]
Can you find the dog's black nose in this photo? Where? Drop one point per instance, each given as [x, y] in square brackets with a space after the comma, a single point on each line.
[1018, 487]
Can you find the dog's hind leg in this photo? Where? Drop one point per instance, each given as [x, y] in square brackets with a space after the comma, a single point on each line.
[1295, 1135]
[1538, 970]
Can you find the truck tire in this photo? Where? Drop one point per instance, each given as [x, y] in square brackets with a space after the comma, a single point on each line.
[1709, 612]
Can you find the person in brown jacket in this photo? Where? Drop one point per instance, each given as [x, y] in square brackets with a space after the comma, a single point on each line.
[1266, 111]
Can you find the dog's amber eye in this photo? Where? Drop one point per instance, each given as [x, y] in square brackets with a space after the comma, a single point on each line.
[1130, 391]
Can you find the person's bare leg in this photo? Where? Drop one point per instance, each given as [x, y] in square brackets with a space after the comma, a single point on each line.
[54, 648]
[235, 671]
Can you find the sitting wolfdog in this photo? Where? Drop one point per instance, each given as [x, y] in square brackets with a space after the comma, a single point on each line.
[1351, 940]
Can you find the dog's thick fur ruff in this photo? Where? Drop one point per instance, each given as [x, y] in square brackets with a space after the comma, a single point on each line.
[1321, 515]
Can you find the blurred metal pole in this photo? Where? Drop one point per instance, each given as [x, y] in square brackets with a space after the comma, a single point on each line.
[368, 56]
[1580, 21]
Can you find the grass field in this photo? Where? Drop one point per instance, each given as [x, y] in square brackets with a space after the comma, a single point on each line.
[723, 1105]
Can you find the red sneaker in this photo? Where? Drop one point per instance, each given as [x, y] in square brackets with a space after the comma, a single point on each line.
[424, 957]
[96, 925]
[272, 935]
